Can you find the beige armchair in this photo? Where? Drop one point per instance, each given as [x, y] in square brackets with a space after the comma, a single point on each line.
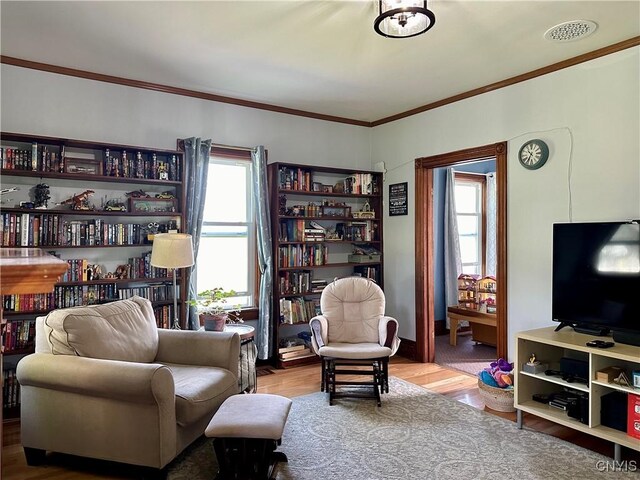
[353, 332]
[106, 383]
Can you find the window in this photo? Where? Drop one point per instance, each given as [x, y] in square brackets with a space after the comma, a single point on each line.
[227, 252]
[469, 193]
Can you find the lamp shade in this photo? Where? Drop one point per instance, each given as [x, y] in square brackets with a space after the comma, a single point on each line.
[172, 250]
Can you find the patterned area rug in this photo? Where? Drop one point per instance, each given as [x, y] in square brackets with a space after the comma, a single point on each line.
[466, 356]
[416, 434]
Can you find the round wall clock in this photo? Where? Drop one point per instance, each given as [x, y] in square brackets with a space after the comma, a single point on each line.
[533, 154]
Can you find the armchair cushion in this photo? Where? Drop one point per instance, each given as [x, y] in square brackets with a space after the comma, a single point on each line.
[353, 309]
[354, 351]
[200, 390]
[128, 324]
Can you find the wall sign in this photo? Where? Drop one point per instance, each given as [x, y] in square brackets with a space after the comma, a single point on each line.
[398, 199]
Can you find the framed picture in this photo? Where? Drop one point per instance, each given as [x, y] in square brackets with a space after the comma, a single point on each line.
[335, 211]
[317, 187]
[82, 166]
[327, 188]
[398, 199]
[152, 205]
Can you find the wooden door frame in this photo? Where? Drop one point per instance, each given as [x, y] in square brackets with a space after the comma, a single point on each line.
[424, 243]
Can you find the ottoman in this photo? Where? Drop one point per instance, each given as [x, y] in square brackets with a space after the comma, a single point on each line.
[246, 431]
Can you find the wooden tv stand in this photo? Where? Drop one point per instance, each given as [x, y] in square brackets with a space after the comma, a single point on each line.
[549, 347]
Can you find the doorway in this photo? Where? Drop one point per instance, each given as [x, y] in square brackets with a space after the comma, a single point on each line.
[425, 240]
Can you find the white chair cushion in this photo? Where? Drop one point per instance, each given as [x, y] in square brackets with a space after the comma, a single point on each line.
[354, 350]
[353, 307]
[122, 330]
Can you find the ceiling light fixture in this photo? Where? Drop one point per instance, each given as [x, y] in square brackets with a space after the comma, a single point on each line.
[403, 18]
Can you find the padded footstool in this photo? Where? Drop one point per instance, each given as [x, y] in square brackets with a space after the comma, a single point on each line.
[246, 431]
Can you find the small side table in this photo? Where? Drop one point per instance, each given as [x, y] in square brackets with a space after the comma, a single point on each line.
[247, 378]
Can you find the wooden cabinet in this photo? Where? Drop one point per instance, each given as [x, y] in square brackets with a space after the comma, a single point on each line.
[88, 220]
[321, 218]
[550, 348]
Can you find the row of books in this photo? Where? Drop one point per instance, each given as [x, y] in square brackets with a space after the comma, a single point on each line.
[80, 270]
[37, 159]
[155, 293]
[127, 165]
[62, 297]
[361, 184]
[368, 272]
[164, 316]
[295, 179]
[302, 255]
[19, 334]
[294, 282]
[298, 310]
[141, 268]
[33, 230]
[360, 231]
[10, 389]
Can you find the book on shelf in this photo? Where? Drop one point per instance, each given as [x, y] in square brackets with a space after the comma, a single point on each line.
[293, 348]
[304, 352]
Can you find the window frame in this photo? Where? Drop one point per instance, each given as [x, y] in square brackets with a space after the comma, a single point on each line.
[479, 179]
[242, 155]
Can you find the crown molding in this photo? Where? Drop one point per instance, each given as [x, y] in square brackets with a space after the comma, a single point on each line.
[99, 77]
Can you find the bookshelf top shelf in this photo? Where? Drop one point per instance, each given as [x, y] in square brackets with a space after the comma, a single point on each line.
[88, 178]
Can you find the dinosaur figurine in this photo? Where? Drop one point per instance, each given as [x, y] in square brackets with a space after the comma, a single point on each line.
[80, 201]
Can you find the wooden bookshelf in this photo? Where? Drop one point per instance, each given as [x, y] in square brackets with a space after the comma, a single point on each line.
[304, 253]
[95, 235]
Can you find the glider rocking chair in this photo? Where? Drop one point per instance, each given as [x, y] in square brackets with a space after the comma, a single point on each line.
[352, 332]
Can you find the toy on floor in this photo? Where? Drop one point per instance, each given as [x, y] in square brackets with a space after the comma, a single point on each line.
[498, 374]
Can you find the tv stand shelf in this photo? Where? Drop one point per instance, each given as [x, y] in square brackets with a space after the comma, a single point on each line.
[549, 347]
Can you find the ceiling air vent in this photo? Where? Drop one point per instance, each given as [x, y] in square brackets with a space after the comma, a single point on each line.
[571, 31]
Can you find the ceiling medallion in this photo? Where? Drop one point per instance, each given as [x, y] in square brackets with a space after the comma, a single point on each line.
[403, 18]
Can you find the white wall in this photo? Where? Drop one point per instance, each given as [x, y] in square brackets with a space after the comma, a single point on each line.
[590, 112]
[55, 105]
[595, 103]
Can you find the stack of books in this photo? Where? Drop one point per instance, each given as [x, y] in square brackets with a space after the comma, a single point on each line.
[291, 353]
[314, 234]
[318, 285]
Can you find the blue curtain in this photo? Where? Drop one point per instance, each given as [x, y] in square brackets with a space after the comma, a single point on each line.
[196, 170]
[261, 199]
[452, 261]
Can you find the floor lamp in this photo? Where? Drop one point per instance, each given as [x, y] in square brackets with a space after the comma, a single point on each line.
[172, 251]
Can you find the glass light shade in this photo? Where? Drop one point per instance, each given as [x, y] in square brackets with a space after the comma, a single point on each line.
[172, 250]
[403, 18]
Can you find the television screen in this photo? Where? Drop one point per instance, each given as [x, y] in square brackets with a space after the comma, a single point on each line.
[596, 275]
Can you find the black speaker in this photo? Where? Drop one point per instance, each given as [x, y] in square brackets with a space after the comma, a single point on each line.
[613, 410]
[575, 368]
[627, 338]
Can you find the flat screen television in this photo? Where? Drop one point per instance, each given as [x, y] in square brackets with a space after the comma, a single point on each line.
[596, 277]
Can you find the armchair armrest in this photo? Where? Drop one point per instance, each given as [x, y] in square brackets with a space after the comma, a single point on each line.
[319, 332]
[388, 332]
[147, 383]
[189, 347]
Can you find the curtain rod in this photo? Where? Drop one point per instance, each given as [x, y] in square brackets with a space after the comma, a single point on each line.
[231, 147]
[472, 173]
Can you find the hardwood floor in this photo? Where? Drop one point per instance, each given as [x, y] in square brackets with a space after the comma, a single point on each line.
[290, 383]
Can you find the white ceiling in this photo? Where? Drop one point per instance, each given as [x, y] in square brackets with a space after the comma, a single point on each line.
[318, 56]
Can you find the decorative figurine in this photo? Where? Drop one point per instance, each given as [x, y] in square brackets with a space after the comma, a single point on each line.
[282, 204]
[137, 194]
[41, 195]
[115, 205]
[532, 360]
[80, 201]
[163, 173]
[165, 195]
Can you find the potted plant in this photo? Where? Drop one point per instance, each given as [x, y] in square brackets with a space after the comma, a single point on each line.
[211, 306]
